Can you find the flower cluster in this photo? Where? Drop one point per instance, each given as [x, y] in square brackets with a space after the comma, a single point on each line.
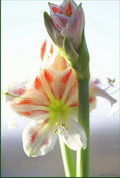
[51, 104]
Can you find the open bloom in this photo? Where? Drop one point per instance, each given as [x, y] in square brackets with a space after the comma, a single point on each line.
[51, 103]
[69, 19]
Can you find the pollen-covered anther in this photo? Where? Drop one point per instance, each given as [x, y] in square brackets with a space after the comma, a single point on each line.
[63, 125]
[58, 124]
[55, 131]
[60, 132]
[66, 128]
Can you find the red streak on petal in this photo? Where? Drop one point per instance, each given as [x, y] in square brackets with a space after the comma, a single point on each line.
[35, 133]
[61, 12]
[37, 83]
[48, 76]
[66, 76]
[73, 104]
[72, 89]
[42, 50]
[63, 84]
[31, 113]
[70, 8]
[50, 80]
[33, 136]
[25, 113]
[51, 49]
[44, 142]
[25, 101]
[19, 91]
[29, 101]
[55, 9]
[91, 100]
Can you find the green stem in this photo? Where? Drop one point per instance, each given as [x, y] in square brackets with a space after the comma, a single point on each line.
[68, 161]
[82, 169]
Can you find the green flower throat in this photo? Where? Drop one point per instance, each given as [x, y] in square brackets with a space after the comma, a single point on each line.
[58, 109]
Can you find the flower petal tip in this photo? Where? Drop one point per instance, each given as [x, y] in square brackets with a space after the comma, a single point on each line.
[113, 101]
[114, 109]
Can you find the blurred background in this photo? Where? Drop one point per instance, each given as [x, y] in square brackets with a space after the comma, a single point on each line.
[22, 33]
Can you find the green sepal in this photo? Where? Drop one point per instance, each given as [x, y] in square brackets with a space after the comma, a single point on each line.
[52, 30]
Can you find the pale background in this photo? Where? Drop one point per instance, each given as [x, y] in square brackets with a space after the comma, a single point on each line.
[22, 32]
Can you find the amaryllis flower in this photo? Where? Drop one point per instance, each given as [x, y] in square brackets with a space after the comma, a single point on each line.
[51, 104]
[68, 18]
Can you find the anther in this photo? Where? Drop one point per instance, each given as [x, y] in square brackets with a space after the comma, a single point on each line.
[58, 124]
[55, 131]
[66, 128]
[63, 125]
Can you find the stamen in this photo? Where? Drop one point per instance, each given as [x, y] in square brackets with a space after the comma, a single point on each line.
[66, 128]
[63, 125]
[55, 131]
[58, 124]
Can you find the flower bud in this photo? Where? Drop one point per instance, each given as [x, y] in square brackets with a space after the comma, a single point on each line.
[65, 25]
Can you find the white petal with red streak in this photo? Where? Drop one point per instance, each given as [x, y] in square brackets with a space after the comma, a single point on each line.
[37, 142]
[63, 7]
[53, 7]
[47, 54]
[74, 27]
[60, 19]
[70, 88]
[47, 78]
[74, 137]
[60, 82]
[15, 90]
[73, 4]
[31, 105]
